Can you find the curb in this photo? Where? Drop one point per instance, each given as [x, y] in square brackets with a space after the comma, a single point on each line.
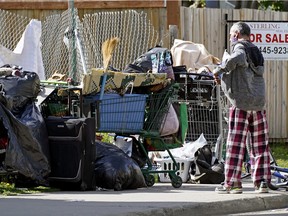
[219, 208]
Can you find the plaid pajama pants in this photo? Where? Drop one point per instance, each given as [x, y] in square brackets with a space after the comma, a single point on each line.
[240, 123]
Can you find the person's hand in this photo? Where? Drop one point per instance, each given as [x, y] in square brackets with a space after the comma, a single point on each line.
[216, 76]
[217, 79]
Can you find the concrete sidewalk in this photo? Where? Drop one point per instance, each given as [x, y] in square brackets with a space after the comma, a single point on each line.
[160, 200]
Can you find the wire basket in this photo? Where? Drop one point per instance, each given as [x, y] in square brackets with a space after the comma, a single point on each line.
[156, 112]
[120, 114]
[57, 109]
[158, 106]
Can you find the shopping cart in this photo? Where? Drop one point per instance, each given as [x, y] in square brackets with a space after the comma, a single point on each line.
[157, 108]
[142, 115]
[204, 108]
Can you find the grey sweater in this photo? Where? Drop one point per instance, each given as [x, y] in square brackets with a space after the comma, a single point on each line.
[242, 82]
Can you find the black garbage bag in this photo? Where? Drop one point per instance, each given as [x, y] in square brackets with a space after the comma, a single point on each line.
[138, 154]
[27, 150]
[20, 89]
[204, 169]
[116, 170]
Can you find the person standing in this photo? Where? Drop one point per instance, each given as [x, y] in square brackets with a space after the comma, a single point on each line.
[242, 81]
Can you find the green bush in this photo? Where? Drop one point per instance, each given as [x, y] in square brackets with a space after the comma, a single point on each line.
[280, 153]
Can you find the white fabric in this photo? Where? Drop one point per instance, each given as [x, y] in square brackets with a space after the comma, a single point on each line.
[193, 55]
[27, 53]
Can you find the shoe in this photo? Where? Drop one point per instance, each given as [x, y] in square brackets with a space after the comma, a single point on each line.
[263, 188]
[225, 190]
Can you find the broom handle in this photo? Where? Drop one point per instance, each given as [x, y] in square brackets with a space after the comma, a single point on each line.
[104, 78]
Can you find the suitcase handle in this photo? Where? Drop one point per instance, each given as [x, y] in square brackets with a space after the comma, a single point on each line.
[195, 74]
[70, 107]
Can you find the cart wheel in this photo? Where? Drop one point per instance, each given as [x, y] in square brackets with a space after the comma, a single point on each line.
[150, 180]
[272, 186]
[177, 182]
[83, 186]
[274, 181]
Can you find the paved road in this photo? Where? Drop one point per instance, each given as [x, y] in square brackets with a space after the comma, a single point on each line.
[160, 200]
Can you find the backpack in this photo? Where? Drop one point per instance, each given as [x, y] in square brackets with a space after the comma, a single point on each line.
[254, 55]
[205, 169]
[156, 60]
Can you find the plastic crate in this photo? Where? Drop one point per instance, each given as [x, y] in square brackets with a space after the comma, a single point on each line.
[167, 164]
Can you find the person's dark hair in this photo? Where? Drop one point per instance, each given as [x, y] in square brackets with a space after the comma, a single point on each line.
[242, 28]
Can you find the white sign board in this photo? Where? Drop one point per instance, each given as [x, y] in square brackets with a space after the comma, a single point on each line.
[271, 38]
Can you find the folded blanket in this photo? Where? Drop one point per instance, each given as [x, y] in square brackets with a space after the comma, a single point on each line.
[119, 80]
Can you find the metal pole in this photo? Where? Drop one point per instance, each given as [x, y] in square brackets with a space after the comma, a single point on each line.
[73, 62]
[226, 31]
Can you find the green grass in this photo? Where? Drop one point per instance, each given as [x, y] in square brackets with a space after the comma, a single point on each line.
[9, 189]
[280, 153]
[105, 137]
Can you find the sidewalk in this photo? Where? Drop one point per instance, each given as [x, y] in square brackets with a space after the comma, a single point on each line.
[160, 200]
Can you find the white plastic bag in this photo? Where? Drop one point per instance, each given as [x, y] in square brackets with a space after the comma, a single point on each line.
[171, 123]
[187, 151]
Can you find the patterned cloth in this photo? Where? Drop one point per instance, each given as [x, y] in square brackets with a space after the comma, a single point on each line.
[119, 80]
[240, 123]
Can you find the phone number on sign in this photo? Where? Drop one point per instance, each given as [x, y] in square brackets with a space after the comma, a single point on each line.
[275, 50]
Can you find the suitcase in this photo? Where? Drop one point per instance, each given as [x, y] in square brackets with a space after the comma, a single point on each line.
[72, 152]
[195, 86]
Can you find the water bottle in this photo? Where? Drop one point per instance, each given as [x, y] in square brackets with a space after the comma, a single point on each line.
[154, 63]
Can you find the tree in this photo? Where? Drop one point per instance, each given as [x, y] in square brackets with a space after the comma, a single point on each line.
[276, 5]
[272, 5]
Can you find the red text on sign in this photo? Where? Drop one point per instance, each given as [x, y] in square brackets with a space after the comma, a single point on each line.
[269, 38]
[257, 38]
[277, 38]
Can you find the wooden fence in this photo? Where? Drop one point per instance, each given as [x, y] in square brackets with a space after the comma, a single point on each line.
[207, 26]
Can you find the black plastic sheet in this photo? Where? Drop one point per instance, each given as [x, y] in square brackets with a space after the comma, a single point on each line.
[27, 151]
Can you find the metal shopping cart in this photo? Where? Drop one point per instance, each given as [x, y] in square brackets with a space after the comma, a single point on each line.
[141, 115]
[158, 105]
[204, 108]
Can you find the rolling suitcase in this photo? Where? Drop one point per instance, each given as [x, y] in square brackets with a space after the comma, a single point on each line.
[72, 152]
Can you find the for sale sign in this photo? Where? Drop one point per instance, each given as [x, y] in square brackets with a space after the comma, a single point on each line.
[271, 38]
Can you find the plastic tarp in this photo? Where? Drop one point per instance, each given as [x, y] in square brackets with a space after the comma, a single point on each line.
[27, 52]
[27, 150]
